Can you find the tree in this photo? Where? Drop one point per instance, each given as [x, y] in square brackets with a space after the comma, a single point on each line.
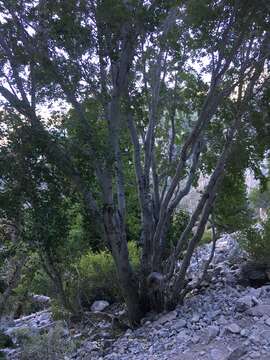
[131, 60]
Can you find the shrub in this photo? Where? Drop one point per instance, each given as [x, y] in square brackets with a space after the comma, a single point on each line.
[55, 344]
[207, 237]
[98, 277]
[256, 241]
[59, 312]
[177, 226]
[5, 340]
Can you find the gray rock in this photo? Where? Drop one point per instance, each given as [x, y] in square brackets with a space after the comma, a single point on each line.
[255, 355]
[99, 305]
[237, 353]
[217, 354]
[267, 321]
[195, 318]
[260, 310]
[181, 323]
[233, 328]
[245, 303]
[165, 318]
[266, 335]
[211, 333]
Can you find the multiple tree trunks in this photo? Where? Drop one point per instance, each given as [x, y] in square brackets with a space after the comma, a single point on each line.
[117, 51]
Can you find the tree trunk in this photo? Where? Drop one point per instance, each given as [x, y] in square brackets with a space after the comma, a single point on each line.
[127, 280]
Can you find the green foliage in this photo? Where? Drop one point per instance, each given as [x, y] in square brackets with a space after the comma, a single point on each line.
[98, 277]
[177, 226]
[260, 198]
[256, 241]
[47, 346]
[207, 237]
[5, 341]
[59, 312]
[232, 210]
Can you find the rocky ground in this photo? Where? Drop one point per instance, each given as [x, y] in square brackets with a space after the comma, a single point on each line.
[223, 321]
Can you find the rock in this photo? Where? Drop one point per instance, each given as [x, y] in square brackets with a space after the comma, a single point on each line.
[195, 318]
[165, 318]
[243, 333]
[181, 323]
[237, 353]
[245, 303]
[255, 355]
[260, 310]
[211, 333]
[195, 339]
[267, 321]
[217, 354]
[233, 328]
[266, 335]
[99, 305]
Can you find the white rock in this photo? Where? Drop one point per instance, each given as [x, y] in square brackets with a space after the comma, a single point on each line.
[234, 328]
[99, 305]
[217, 354]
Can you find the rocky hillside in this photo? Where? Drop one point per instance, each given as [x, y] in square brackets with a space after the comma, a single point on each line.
[223, 320]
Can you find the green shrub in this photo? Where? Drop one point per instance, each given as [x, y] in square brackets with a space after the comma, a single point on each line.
[59, 312]
[177, 226]
[54, 344]
[5, 340]
[256, 241]
[98, 277]
[207, 237]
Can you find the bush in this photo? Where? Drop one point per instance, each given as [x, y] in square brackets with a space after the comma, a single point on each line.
[207, 237]
[177, 226]
[98, 277]
[48, 346]
[256, 241]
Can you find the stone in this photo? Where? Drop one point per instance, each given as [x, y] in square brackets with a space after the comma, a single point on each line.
[260, 310]
[211, 333]
[267, 321]
[217, 354]
[181, 323]
[166, 318]
[245, 303]
[243, 333]
[234, 328]
[255, 355]
[195, 339]
[195, 318]
[237, 353]
[99, 305]
[266, 335]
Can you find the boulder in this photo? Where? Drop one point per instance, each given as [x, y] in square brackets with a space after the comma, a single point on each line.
[260, 310]
[233, 328]
[99, 305]
[211, 333]
[237, 353]
[246, 302]
[218, 354]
